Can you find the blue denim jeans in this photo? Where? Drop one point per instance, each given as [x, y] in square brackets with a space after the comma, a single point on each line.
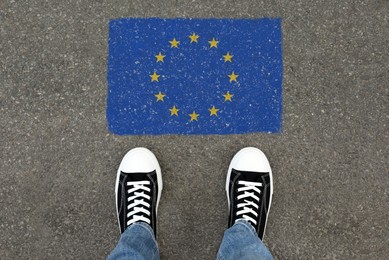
[239, 242]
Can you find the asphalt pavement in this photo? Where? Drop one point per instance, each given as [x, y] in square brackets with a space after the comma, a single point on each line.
[59, 161]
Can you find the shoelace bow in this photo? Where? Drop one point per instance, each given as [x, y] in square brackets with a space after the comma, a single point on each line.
[137, 204]
[251, 200]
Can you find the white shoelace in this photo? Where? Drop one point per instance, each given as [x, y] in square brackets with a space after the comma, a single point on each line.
[137, 203]
[248, 191]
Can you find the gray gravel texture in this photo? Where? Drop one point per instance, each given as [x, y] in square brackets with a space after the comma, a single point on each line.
[330, 163]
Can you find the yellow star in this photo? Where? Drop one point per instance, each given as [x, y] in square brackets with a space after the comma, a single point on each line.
[160, 96]
[228, 96]
[194, 116]
[213, 43]
[174, 43]
[213, 110]
[193, 38]
[233, 77]
[174, 111]
[228, 57]
[154, 77]
[160, 57]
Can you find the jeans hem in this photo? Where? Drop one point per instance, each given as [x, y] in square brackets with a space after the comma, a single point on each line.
[247, 225]
[145, 226]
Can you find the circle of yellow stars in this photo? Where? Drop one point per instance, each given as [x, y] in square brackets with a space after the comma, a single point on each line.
[213, 43]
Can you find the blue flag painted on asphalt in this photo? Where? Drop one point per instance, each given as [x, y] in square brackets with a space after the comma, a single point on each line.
[194, 76]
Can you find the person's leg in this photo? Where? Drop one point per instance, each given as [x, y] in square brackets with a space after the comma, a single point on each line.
[137, 242]
[138, 190]
[242, 242]
[249, 189]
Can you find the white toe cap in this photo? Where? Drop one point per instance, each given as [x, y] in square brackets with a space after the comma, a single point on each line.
[250, 159]
[139, 160]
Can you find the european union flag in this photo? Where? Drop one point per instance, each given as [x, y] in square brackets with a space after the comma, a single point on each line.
[194, 76]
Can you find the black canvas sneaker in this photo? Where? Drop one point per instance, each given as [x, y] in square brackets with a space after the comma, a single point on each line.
[138, 188]
[249, 188]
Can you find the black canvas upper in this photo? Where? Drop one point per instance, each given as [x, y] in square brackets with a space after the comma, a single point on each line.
[123, 195]
[264, 196]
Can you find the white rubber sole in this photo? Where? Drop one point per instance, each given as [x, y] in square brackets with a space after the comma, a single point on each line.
[139, 159]
[260, 164]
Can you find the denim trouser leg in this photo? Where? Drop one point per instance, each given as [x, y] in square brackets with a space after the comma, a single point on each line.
[242, 242]
[136, 242]
[239, 242]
